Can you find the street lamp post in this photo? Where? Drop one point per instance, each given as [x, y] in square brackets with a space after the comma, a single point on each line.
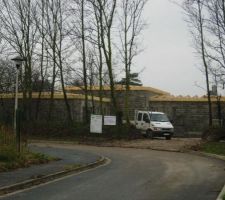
[18, 62]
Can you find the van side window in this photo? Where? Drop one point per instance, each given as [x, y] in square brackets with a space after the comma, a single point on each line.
[139, 116]
[145, 118]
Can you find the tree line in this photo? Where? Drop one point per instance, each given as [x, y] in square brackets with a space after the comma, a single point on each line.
[69, 42]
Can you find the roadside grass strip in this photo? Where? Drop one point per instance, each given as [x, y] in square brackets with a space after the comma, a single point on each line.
[217, 148]
[11, 158]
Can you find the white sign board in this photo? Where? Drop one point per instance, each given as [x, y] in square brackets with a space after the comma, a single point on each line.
[96, 124]
[110, 120]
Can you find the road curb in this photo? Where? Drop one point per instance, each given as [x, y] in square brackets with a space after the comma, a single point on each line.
[222, 193]
[207, 155]
[50, 177]
[220, 196]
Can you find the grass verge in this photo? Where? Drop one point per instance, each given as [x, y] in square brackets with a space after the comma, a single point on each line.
[214, 148]
[72, 167]
[10, 158]
[224, 197]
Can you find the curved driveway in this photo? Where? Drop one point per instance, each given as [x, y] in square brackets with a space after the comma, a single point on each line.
[136, 174]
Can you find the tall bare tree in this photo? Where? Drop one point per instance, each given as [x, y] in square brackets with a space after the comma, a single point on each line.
[99, 58]
[42, 56]
[20, 33]
[215, 28]
[61, 47]
[195, 12]
[55, 30]
[106, 13]
[78, 31]
[51, 38]
[7, 76]
[132, 24]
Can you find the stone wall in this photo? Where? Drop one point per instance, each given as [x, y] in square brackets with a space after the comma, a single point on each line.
[189, 118]
[138, 99]
[59, 111]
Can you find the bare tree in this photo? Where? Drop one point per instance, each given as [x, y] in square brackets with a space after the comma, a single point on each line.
[132, 25]
[57, 47]
[62, 34]
[216, 41]
[49, 28]
[195, 12]
[99, 58]
[20, 33]
[78, 32]
[7, 76]
[41, 74]
[105, 11]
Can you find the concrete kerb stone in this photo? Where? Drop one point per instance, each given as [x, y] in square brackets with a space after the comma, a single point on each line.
[222, 193]
[50, 177]
[208, 155]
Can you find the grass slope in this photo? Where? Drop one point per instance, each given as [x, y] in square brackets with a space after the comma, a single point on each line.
[214, 148]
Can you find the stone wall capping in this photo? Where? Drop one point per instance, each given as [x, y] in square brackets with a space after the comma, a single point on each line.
[181, 98]
[119, 88]
[57, 95]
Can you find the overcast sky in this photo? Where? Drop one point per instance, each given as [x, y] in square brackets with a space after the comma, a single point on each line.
[169, 59]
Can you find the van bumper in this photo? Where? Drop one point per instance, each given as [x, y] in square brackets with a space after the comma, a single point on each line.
[162, 133]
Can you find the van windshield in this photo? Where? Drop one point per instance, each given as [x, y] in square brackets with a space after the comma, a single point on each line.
[158, 117]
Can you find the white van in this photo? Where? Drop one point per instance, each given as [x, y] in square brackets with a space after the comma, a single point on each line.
[154, 124]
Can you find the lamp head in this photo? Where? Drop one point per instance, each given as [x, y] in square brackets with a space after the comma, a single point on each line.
[18, 61]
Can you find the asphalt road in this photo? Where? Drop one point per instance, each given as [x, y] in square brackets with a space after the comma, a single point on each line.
[136, 175]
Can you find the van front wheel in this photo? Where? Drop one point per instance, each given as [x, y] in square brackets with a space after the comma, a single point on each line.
[149, 134]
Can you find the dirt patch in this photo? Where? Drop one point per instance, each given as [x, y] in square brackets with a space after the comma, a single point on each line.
[175, 144]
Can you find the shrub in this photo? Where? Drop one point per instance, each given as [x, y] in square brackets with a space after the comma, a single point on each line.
[214, 134]
[10, 158]
[58, 130]
[7, 137]
[213, 147]
[8, 154]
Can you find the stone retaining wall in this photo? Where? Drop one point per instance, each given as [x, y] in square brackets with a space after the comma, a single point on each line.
[189, 118]
[59, 109]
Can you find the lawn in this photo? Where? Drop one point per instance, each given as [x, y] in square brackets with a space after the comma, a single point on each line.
[214, 148]
[10, 158]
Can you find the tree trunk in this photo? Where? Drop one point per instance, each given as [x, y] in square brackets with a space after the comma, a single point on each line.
[84, 63]
[205, 63]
